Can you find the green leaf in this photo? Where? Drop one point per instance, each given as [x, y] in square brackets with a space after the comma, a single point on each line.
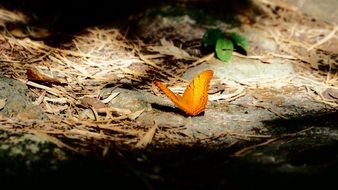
[211, 36]
[239, 40]
[224, 49]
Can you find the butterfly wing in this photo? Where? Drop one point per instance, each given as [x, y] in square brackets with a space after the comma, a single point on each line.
[196, 94]
[195, 97]
[175, 98]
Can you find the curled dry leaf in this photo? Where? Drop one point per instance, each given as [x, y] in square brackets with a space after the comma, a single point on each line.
[330, 94]
[333, 93]
[34, 74]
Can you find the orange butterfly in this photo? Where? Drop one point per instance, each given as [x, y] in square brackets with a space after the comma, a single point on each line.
[195, 97]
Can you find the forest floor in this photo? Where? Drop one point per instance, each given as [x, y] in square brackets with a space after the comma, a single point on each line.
[84, 106]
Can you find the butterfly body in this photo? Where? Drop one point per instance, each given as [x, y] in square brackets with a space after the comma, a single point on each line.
[195, 97]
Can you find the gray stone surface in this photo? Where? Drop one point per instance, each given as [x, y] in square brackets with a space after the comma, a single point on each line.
[17, 104]
[323, 10]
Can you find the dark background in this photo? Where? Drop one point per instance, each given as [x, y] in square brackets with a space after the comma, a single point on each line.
[72, 15]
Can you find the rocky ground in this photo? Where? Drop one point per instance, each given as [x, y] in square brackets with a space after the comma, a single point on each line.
[80, 108]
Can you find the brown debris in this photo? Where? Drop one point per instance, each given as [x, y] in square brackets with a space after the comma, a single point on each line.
[101, 57]
[34, 74]
[147, 138]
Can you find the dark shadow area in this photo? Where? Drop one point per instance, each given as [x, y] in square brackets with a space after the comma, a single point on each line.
[65, 18]
[71, 16]
[177, 167]
[297, 123]
[171, 109]
[165, 108]
[318, 153]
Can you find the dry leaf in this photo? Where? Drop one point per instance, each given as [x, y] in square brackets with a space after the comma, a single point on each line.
[87, 113]
[39, 100]
[110, 97]
[114, 111]
[18, 33]
[50, 108]
[54, 140]
[34, 74]
[330, 94]
[147, 138]
[2, 103]
[168, 48]
[38, 33]
[32, 32]
[92, 102]
[333, 93]
[136, 114]
[105, 151]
